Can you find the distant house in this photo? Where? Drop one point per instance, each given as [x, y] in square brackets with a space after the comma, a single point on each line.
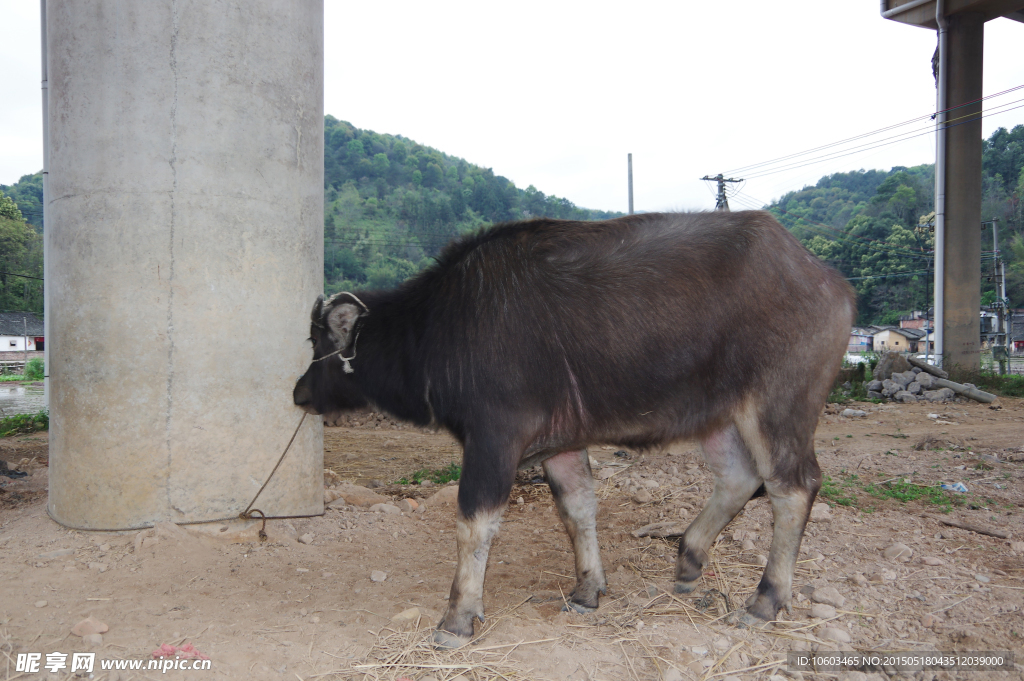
[918, 319]
[861, 339]
[890, 338]
[16, 328]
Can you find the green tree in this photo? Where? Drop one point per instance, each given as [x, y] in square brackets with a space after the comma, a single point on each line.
[381, 165]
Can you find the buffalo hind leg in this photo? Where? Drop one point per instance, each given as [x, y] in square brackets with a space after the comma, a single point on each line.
[572, 486]
[791, 505]
[483, 494]
[736, 480]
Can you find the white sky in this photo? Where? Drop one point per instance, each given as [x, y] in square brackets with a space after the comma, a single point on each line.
[555, 94]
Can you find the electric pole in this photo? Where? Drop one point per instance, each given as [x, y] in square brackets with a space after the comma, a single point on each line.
[722, 203]
[1000, 351]
[629, 158]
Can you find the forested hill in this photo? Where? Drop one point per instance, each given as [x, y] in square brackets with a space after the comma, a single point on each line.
[391, 204]
[875, 227]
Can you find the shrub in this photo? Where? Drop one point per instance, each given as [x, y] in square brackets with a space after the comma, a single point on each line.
[35, 370]
[24, 423]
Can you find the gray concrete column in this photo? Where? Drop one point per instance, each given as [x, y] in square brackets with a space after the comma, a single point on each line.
[963, 192]
[185, 230]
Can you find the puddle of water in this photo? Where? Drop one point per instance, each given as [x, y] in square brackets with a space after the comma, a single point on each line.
[21, 399]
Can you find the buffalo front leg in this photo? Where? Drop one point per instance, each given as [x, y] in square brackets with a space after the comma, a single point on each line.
[736, 480]
[483, 494]
[572, 486]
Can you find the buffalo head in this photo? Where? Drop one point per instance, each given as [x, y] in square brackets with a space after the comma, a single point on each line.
[328, 385]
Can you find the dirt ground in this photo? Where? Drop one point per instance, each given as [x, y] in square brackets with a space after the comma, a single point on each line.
[303, 605]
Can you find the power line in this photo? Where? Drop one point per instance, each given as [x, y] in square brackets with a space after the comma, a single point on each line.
[24, 276]
[857, 150]
[870, 134]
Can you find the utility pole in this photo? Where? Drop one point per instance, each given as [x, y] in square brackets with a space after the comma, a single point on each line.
[629, 161]
[722, 203]
[1000, 352]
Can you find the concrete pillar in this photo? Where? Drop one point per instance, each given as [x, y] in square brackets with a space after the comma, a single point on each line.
[962, 327]
[185, 229]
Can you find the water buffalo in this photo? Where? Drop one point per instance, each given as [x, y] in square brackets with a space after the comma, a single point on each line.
[530, 341]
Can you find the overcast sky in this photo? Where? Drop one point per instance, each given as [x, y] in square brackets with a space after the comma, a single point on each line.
[555, 94]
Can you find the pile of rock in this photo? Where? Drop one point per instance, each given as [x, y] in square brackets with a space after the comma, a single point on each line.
[912, 385]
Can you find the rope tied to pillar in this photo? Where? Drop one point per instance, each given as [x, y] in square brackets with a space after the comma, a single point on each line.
[249, 511]
[247, 514]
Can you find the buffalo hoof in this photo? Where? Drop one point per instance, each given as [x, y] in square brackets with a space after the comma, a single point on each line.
[686, 587]
[447, 640]
[573, 606]
[741, 619]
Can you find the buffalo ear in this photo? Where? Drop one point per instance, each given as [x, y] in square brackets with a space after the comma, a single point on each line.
[318, 309]
[341, 319]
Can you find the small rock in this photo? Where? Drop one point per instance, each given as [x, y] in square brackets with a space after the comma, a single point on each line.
[378, 576]
[835, 634]
[427, 483]
[642, 497]
[982, 578]
[386, 508]
[104, 547]
[301, 570]
[354, 495]
[306, 538]
[445, 495]
[90, 625]
[59, 553]
[747, 545]
[407, 505]
[98, 567]
[607, 472]
[671, 674]
[931, 560]
[406, 617]
[721, 644]
[520, 501]
[651, 484]
[828, 595]
[930, 620]
[1017, 546]
[859, 579]
[331, 495]
[93, 640]
[40, 604]
[314, 619]
[890, 387]
[823, 611]
[926, 380]
[905, 397]
[821, 513]
[900, 553]
[851, 413]
[914, 388]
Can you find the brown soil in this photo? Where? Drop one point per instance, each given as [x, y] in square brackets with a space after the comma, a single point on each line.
[285, 610]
